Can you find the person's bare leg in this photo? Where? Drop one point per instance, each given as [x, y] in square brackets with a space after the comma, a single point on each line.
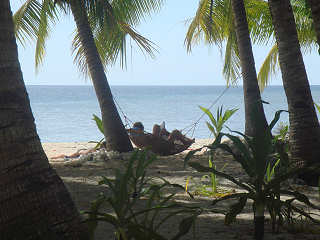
[164, 132]
[177, 135]
[156, 130]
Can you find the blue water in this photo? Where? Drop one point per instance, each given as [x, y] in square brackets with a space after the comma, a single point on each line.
[64, 113]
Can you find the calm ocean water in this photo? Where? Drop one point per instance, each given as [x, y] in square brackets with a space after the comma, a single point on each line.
[64, 113]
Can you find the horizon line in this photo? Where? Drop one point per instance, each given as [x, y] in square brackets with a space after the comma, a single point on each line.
[145, 85]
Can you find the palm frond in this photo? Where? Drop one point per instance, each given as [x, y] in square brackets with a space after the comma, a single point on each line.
[231, 68]
[304, 24]
[268, 68]
[134, 11]
[110, 27]
[307, 39]
[79, 58]
[208, 23]
[48, 14]
[259, 21]
[33, 21]
[26, 20]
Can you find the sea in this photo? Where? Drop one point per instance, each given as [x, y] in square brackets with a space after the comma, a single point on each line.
[64, 113]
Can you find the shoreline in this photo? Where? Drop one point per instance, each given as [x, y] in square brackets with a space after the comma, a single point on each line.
[53, 149]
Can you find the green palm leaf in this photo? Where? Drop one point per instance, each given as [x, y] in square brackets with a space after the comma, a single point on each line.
[33, 21]
[220, 32]
[268, 68]
[111, 22]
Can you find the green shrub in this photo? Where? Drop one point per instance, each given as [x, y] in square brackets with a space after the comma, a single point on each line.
[202, 188]
[219, 121]
[127, 192]
[255, 157]
[216, 125]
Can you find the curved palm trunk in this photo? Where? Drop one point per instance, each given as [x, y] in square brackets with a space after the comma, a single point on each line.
[304, 125]
[115, 134]
[254, 114]
[34, 203]
[315, 9]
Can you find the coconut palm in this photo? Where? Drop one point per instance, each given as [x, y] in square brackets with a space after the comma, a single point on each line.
[109, 23]
[304, 125]
[306, 35]
[218, 22]
[220, 31]
[34, 201]
[256, 122]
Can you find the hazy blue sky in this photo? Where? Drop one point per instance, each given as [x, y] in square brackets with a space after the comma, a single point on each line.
[172, 65]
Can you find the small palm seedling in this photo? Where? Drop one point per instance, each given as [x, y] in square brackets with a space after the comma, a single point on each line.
[138, 203]
[202, 187]
[219, 121]
[99, 124]
[216, 126]
[255, 155]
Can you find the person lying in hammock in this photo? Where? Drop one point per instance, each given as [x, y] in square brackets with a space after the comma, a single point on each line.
[160, 131]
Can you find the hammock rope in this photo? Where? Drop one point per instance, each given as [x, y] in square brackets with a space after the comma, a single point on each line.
[193, 126]
[128, 122]
[187, 129]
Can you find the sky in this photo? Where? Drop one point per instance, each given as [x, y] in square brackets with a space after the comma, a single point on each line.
[171, 66]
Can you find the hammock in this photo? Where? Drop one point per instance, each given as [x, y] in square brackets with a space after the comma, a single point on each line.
[158, 145]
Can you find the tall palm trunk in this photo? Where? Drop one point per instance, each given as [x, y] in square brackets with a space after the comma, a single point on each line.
[254, 114]
[34, 203]
[315, 9]
[304, 125]
[115, 134]
[256, 123]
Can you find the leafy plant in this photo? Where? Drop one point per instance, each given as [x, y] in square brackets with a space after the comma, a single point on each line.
[128, 192]
[215, 127]
[221, 118]
[99, 124]
[301, 224]
[270, 172]
[255, 155]
[204, 189]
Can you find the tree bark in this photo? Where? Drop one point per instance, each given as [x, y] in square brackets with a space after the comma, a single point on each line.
[315, 9]
[255, 120]
[115, 134]
[304, 126]
[34, 203]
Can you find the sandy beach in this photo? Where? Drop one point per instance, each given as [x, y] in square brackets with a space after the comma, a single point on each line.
[81, 180]
[67, 148]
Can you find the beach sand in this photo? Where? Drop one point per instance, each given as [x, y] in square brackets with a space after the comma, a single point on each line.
[81, 180]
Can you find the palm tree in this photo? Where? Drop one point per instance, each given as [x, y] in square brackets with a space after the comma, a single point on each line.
[220, 31]
[34, 201]
[304, 125]
[225, 20]
[306, 35]
[315, 9]
[115, 134]
[256, 122]
[111, 23]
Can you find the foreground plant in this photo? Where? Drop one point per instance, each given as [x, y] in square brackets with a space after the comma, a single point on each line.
[102, 28]
[255, 156]
[218, 122]
[202, 188]
[99, 125]
[128, 192]
[216, 126]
